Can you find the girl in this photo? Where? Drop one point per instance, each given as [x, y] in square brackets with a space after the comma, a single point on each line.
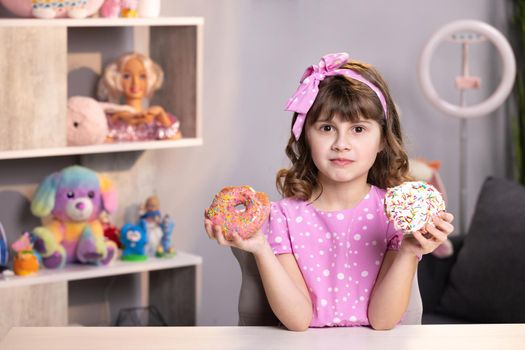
[327, 255]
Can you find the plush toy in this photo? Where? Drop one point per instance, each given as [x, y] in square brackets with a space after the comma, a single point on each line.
[422, 170]
[52, 8]
[86, 122]
[110, 8]
[134, 239]
[135, 77]
[72, 200]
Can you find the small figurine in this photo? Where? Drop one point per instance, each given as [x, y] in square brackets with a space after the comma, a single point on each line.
[26, 261]
[111, 232]
[164, 249]
[129, 8]
[134, 239]
[135, 77]
[152, 217]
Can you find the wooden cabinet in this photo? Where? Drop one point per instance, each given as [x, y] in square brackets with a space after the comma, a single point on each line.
[42, 64]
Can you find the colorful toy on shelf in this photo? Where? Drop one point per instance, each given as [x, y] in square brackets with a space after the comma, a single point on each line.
[71, 201]
[4, 250]
[110, 9]
[26, 260]
[135, 77]
[129, 8]
[134, 239]
[55, 8]
[86, 122]
[159, 230]
[111, 231]
[165, 249]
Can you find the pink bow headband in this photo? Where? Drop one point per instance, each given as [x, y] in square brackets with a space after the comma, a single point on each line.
[305, 95]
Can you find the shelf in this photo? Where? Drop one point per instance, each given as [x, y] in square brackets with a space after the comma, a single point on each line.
[102, 148]
[102, 22]
[175, 43]
[75, 272]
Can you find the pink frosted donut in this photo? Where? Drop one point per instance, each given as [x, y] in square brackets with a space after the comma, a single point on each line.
[411, 205]
[245, 221]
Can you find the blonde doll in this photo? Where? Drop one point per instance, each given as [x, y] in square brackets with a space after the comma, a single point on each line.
[135, 77]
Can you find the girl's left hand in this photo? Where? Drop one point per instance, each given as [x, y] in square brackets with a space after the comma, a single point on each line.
[430, 237]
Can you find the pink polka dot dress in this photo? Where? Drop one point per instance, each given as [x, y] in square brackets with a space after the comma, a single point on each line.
[339, 253]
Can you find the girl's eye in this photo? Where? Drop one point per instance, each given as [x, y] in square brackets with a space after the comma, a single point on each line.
[326, 127]
[143, 76]
[70, 195]
[126, 76]
[359, 129]
[91, 194]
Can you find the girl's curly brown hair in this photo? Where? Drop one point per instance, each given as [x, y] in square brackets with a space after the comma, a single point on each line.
[350, 100]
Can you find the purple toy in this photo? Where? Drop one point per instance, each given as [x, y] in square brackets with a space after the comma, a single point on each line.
[74, 198]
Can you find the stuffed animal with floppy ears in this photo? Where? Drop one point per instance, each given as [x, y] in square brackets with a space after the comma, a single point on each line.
[70, 202]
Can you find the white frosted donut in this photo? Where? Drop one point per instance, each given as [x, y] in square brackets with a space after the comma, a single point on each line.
[411, 205]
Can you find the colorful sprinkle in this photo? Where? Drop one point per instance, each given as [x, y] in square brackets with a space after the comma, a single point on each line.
[411, 205]
[245, 221]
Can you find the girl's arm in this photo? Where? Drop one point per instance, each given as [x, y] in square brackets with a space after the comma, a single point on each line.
[392, 288]
[282, 280]
[285, 289]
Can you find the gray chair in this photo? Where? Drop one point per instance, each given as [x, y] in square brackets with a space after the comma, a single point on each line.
[254, 309]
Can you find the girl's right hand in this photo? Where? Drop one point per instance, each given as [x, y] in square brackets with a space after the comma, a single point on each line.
[254, 244]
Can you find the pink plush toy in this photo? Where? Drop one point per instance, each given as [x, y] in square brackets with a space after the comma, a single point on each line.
[52, 8]
[111, 8]
[86, 122]
[71, 201]
[422, 170]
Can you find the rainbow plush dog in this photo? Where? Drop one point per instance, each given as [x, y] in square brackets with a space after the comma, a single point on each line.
[73, 199]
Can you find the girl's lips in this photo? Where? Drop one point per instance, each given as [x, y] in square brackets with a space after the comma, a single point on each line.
[341, 161]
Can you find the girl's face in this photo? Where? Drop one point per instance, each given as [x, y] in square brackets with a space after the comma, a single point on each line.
[134, 79]
[344, 151]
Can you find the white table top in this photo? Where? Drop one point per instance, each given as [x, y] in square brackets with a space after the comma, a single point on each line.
[428, 337]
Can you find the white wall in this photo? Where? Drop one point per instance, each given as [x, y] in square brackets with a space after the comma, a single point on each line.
[254, 54]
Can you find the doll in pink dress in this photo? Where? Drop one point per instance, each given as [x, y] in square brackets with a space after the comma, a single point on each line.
[135, 77]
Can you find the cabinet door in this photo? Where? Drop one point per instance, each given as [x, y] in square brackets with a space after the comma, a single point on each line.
[33, 87]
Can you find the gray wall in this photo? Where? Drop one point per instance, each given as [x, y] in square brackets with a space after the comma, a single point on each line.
[254, 53]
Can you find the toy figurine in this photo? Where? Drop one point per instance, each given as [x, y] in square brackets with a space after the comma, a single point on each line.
[111, 231]
[26, 261]
[134, 239]
[72, 199]
[164, 249]
[135, 77]
[152, 217]
[129, 8]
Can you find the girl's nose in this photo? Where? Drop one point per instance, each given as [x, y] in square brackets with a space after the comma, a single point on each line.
[341, 143]
[80, 206]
